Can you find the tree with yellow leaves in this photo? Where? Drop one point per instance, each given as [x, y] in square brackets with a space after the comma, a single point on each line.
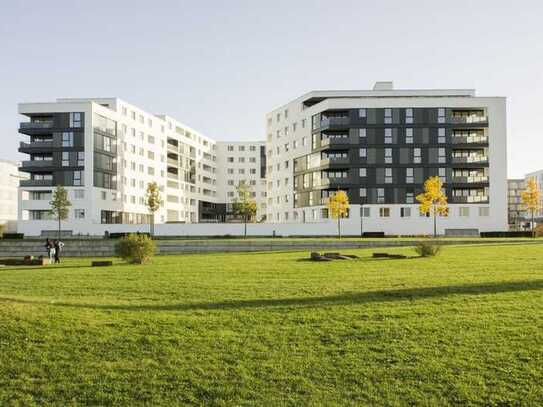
[531, 198]
[153, 202]
[433, 200]
[338, 207]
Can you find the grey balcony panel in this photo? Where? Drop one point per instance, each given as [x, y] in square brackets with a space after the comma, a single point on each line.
[36, 125]
[36, 183]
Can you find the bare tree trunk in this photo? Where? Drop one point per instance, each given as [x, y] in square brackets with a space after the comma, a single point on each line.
[59, 227]
[533, 232]
[152, 228]
[245, 227]
[435, 224]
[339, 226]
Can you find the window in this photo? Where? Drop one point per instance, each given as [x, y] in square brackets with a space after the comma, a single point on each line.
[79, 213]
[363, 193]
[388, 136]
[361, 113]
[441, 136]
[230, 159]
[363, 172]
[241, 148]
[441, 156]
[388, 175]
[304, 141]
[388, 116]
[106, 144]
[252, 159]
[442, 172]
[230, 148]
[80, 158]
[417, 156]
[67, 139]
[409, 178]
[241, 159]
[362, 133]
[409, 136]
[75, 120]
[388, 156]
[380, 195]
[286, 147]
[365, 212]
[441, 115]
[409, 197]
[405, 212]
[78, 178]
[463, 211]
[363, 152]
[65, 159]
[79, 194]
[230, 171]
[484, 211]
[409, 115]
[384, 212]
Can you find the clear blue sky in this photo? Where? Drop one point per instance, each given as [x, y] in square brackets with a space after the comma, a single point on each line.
[220, 66]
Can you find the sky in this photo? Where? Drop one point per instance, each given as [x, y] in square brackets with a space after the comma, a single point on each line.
[220, 66]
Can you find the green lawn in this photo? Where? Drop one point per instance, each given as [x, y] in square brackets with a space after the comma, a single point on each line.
[268, 329]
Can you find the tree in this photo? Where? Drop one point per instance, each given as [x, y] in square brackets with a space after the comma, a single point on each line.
[433, 200]
[244, 205]
[338, 207]
[531, 198]
[152, 201]
[60, 205]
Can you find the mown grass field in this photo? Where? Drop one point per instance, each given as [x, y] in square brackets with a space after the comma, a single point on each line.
[464, 328]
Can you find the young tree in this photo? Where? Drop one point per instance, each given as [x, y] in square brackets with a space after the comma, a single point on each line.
[531, 198]
[244, 205]
[433, 200]
[153, 201]
[60, 205]
[338, 207]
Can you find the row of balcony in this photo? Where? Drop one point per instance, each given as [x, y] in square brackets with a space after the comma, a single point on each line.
[453, 200]
[327, 122]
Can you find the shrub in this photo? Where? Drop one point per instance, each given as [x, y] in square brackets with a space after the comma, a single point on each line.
[135, 248]
[13, 236]
[427, 248]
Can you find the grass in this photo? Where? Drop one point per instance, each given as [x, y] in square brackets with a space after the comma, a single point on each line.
[464, 328]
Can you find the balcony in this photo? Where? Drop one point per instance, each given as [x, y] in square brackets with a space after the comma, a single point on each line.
[468, 119]
[470, 159]
[334, 122]
[31, 128]
[36, 183]
[35, 146]
[470, 199]
[326, 182]
[172, 147]
[36, 125]
[173, 163]
[32, 164]
[470, 180]
[469, 139]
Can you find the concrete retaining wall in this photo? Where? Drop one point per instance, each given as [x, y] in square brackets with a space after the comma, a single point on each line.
[103, 247]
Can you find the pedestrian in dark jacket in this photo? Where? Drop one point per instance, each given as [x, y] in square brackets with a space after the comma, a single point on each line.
[58, 247]
[50, 248]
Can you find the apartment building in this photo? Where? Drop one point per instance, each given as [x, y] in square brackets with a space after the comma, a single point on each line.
[242, 163]
[380, 146]
[9, 181]
[538, 176]
[105, 151]
[516, 210]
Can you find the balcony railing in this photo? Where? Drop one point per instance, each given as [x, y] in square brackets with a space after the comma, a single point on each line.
[470, 199]
[36, 145]
[36, 182]
[470, 159]
[470, 179]
[334, 121]
[469, 139]
[37, 163]
[36, 125]
[468, 119]
[172, 162]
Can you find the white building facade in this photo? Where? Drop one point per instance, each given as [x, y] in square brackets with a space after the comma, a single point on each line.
[9, 182]
[105, 152]
[380, 146]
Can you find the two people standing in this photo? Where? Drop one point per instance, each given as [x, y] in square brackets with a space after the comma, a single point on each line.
[53, 247]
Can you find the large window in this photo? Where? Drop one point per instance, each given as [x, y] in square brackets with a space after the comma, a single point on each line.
[78, 178]
[67, 139]
[76, 119]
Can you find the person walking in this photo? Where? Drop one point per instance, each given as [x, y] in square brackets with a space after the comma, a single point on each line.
[50, 247]
[58, 248]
